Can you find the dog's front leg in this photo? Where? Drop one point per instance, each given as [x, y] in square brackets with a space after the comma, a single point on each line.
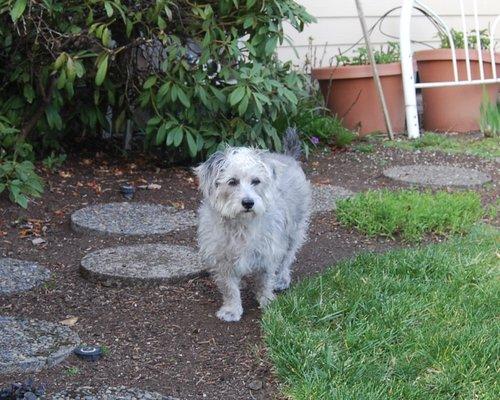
[229, 287]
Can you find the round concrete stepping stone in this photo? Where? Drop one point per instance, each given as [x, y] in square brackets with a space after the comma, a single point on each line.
[324, 197]
[141, 264]
[131, 219]
[30, 345]
[108, 393]
[18, 275]
[437, 175]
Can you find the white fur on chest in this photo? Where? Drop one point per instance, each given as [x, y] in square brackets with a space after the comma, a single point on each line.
[240, 245]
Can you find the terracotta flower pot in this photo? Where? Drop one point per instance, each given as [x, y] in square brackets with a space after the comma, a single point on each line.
[350, 93]
[455, 108]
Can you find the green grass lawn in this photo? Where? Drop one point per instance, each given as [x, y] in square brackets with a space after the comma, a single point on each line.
[485, 147]
[408, 324]
[410, 213]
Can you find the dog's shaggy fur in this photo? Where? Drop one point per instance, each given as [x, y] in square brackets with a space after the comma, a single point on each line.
[252, 221]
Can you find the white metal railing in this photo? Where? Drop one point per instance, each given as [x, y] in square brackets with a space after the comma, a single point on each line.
[409, 84]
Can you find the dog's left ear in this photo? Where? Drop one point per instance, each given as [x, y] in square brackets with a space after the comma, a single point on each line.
[208, 172]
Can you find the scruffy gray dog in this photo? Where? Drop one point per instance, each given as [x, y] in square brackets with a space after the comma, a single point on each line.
[252, 220]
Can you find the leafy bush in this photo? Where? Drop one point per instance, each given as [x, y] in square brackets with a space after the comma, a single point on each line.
[190, 74]
[205, 71]
[410, 213]
[390, 54]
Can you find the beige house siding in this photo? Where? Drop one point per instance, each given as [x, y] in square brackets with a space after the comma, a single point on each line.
[338, 27]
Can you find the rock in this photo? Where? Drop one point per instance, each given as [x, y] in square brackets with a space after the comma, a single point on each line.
[255, 385]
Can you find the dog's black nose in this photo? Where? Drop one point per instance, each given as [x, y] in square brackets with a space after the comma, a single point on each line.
[247, 203]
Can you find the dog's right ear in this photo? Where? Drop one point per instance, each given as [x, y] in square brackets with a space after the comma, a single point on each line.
[209, 171]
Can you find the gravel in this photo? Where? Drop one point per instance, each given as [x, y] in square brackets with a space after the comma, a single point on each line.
[141, 264]
[31, 345]
[437, 175]
[130, 219]
[324, 197]
[108, 393]
[18, 275]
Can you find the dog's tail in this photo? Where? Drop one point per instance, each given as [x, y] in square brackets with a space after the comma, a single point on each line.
[291, 143]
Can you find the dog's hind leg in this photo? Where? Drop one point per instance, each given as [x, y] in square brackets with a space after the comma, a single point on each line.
[283, 274]
[264, 285]
[229, 287]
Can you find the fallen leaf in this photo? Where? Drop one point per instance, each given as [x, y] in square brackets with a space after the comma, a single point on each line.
[69, 321]
[38, 241]
[65, 174]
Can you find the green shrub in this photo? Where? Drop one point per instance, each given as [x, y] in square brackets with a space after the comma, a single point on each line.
[410, 214]
[190, 74]
[408, 324]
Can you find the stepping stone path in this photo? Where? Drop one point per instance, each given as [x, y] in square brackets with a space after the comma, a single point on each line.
[30, 345]
[437, 175]
[141, 264]
[324, 197]
[131, 219]
[108, 393]
[19, 275]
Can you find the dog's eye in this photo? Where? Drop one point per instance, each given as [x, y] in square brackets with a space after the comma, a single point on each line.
[232, 182]
[255, 181]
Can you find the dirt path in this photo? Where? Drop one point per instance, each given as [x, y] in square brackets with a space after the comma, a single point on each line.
[167, 338]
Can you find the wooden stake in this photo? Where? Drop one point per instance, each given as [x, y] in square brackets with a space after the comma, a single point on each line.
[376, 77]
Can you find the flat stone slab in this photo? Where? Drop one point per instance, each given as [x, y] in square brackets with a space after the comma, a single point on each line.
[18, 275]
[141, 264]
[324, 197]
[437, 175]
[108, 393]
[131, 219]
[30, 345]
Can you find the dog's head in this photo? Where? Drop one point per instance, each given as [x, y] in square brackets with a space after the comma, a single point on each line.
[237, 182]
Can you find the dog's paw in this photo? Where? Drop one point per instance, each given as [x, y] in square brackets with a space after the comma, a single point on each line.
[282, 283]
[229, 314]
[265, 299]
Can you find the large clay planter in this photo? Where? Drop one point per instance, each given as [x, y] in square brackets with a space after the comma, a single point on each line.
[350, 93]
[455, 108]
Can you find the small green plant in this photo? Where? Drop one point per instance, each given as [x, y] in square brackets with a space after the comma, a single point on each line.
[72, 371]
[489, 121]
[364, 148]
[53, 161]
[105, 350]
[387, 55]
[458, 39]
[411, 214]
[21, 181]
[324, 129]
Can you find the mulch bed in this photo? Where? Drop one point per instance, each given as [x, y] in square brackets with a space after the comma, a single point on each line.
[167, 339]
